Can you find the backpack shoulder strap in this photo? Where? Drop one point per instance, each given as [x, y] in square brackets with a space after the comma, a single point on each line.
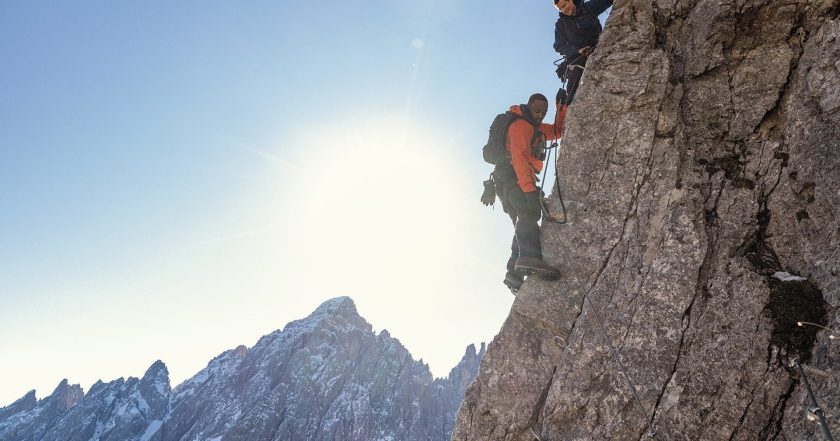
[522, 117]
[534, 125]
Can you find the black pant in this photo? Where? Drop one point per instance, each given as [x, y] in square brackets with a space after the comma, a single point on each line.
[525, 216]
[573, 73]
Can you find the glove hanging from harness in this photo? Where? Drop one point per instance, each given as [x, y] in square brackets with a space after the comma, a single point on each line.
[488, 198]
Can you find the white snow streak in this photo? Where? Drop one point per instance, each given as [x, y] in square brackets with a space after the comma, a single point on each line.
[154, 426]
[788, 277]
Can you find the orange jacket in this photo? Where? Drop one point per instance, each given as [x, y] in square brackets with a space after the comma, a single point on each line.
[519, 137]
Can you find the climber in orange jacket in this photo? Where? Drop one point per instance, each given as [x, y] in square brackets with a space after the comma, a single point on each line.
[518, 190]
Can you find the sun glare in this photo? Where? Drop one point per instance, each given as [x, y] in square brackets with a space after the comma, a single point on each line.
[380, 210]
[378, 203]
[374, 184]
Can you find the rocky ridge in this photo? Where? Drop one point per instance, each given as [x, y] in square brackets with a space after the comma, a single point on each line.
[700, 166]
[324, 377]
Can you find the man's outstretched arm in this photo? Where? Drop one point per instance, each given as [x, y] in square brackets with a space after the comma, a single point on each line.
[555, 131]
[564, 47]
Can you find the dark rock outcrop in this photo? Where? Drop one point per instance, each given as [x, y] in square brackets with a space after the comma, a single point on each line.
[700, 166]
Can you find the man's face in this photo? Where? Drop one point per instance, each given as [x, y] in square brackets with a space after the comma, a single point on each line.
[567, 7]
[538, 109]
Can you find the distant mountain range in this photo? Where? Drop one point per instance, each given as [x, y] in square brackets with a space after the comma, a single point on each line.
[325, 377]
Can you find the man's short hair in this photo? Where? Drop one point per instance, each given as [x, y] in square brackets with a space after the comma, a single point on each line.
[537, 97]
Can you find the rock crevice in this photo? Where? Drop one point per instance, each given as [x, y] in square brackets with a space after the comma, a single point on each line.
[700, 160]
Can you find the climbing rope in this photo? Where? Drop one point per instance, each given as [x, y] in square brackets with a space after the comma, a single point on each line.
[650, 432]
[548, 216]
[649, 428]
[815, 409]
[833, 334]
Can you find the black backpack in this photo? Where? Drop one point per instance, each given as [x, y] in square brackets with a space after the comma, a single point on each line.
[495, 151]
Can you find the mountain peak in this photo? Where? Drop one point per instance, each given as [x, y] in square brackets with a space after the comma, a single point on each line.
[23, 403]
[156, 368]
[157, 378]
[337, 306]
[339, 313]
[30, 397]
[67, 395]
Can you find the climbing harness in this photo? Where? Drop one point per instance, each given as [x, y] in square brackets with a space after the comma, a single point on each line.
[570, 72]
[564, 65]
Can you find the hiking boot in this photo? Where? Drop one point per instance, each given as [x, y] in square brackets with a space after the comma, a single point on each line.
[513, 280]
[535, 265]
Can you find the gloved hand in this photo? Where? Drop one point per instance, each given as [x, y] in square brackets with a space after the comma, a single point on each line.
[561, 97]
[489, 196]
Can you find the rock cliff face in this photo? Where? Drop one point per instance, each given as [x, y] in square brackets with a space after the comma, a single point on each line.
[701, 169]
[325, 377]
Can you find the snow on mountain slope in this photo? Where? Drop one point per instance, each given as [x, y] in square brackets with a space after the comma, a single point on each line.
[325, 377]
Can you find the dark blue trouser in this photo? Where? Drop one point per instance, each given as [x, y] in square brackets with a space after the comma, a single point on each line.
[525, 216]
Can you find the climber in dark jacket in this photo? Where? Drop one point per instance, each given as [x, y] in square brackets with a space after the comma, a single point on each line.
[575, 35]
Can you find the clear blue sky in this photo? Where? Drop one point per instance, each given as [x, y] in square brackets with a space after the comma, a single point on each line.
[180, 178]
